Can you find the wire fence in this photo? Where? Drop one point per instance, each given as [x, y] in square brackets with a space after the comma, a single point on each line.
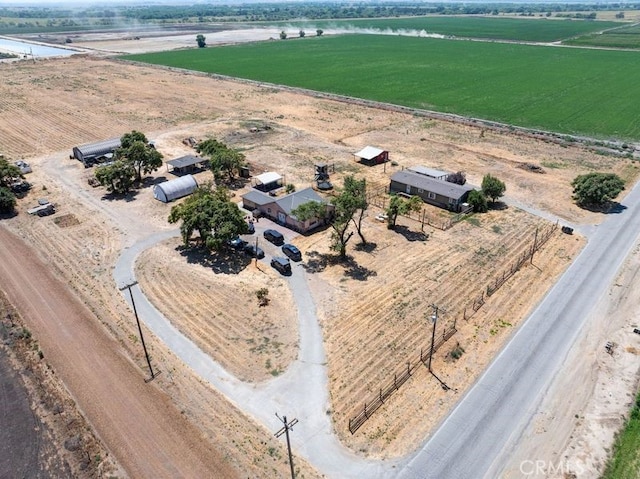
[379, 197]
[542, 236]
[399, 378]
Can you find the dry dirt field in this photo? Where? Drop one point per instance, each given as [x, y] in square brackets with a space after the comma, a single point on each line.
[374, 309]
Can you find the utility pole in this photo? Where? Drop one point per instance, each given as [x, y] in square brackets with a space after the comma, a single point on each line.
[535, 244]
[285, 430]
[434, 320]
[144, 346]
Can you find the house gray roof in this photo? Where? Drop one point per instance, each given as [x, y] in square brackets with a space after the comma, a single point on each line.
[184, 161]
[423, 170]
[292, 201]
[258, 197]
[426, 183]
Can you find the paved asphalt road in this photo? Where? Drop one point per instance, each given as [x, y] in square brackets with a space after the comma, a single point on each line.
[477, 437]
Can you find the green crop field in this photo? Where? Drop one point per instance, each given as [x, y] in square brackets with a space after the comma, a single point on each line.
[625, 37]
[527, 30]
[568, 90]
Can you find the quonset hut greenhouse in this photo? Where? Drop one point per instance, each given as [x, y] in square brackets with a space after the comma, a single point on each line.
[174, 189]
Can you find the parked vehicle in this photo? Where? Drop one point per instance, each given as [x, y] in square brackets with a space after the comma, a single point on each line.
[567, 230]
[46, 210]
[282, 265]
[253, 251]
[237, 243]
[274, 237]
[292, 252]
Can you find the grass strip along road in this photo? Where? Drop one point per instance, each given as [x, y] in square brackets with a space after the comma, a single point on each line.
[573, 91]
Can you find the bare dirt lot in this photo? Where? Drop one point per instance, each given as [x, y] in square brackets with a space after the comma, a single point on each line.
[374, 309]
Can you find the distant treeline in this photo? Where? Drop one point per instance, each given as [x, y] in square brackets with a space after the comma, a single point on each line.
[106, 15]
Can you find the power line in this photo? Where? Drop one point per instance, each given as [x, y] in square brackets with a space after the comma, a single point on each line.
[144, 346]
[285, 430]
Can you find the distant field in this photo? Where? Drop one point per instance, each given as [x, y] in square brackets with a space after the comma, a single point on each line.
[528, 30]
[576, 91]
[625, 37]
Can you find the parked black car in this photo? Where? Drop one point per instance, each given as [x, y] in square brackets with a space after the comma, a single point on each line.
[237, 243]
[292, 252]
[274, 237]
[254, 252]
[281, 264]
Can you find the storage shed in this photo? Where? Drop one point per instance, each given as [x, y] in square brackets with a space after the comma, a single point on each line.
[174, 189]
[90, 153]
[185, 163]
[267, 181]
[370, 155]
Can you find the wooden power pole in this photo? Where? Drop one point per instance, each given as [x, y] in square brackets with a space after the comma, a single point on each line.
[144, 346]
[285, 430]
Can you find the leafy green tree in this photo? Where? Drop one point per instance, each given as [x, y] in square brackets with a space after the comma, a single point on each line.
[319, 32]
[117, 177]
[136, 151]
[222, 159]
[201, 40]
[595, 189]
[492, 187]
[290, 188]
[7, 200]
[478, 201]
[401, 206]
[283, 35]
[355, 192]
[212, 214]
[343, 212]
[8, 172]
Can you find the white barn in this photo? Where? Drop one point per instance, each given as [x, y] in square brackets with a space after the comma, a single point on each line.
[173, 189]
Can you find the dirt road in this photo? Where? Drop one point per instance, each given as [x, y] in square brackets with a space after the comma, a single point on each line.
[136, 421]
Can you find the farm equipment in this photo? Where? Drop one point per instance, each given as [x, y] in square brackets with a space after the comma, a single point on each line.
[191, 141]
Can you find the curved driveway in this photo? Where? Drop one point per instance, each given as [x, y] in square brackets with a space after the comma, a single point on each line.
[300, 392]
[475, 439]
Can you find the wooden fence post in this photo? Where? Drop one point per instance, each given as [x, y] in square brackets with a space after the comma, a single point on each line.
[409, 368]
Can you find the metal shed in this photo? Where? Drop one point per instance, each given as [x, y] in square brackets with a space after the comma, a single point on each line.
[174, 189]
[182, 164]
[89, 153]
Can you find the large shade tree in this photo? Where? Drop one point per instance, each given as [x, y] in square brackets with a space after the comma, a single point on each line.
[355, 193]
[492, 187]
[8, 172]
[401, 206]
[118, 177]
[596, 189]
[212, 215]
[224, 161]
[7, 200]
[136, 151]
